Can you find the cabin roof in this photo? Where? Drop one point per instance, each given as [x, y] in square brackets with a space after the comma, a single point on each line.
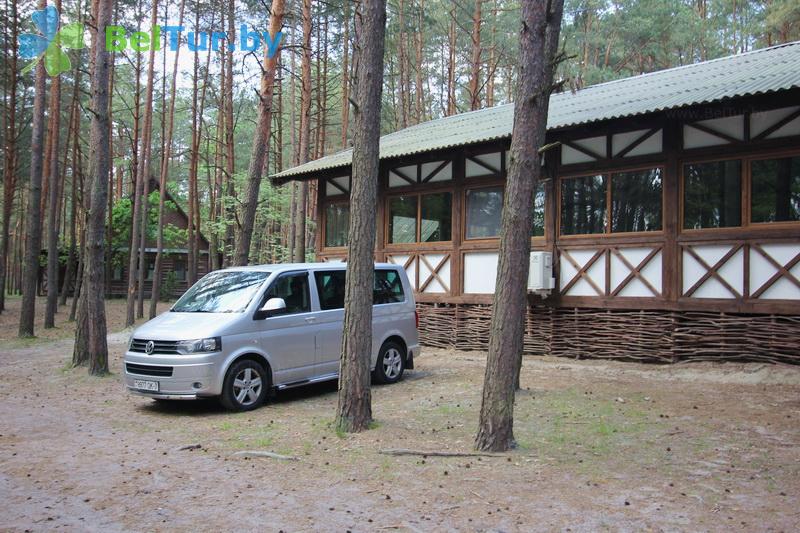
[758, 72]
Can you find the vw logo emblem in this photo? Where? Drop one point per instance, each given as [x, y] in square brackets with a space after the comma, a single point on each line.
[149, 347]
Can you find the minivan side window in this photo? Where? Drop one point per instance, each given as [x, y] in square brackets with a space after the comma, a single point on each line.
[293, 288]
[388, 287]
[330, 286]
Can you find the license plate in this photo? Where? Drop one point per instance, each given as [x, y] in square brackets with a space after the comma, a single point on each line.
[145, 385]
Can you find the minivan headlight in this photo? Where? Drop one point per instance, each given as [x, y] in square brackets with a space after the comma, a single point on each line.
[212, 344]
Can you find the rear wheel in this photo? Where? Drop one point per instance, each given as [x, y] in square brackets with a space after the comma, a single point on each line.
[245, 386]
[390, 364]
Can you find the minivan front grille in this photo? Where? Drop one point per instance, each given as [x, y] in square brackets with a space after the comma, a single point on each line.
[160, 347]
[149, 370]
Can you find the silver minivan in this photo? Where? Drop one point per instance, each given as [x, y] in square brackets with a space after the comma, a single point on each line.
[241, 333]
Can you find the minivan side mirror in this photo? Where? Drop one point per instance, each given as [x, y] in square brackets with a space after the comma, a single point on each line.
[273, 306]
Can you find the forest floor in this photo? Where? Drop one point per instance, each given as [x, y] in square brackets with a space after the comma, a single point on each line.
[602, 446]
[9, 321]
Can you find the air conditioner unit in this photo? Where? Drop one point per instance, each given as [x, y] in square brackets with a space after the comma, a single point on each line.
[540, 274]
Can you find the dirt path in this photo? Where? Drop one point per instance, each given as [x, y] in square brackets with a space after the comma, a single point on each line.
[603, 445]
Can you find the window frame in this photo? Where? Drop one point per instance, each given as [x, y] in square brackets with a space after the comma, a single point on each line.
[607, 175]
[418, 193]
[747, 183]
[311, 309]
[324, 229]
[746, 192]
[493, 184]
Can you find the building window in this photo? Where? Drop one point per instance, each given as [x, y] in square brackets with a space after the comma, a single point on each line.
[775, 190]
[538, 210]
[484, 209]
[430, 213]
[116, 274]
[712, 194]
[436, 213]
[403, 219]
[179, 268]
[636, 200]
[583, 205]
[337, 222]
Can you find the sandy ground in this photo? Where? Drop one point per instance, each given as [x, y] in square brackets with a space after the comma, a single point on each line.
[9, 321]
[602, 446]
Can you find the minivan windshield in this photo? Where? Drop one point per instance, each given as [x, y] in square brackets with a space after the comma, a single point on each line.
[221, 292]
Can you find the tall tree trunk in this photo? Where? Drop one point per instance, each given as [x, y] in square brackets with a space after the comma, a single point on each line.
[402, 64]
[538, 43]
[492, 59]
[451, 64]
[162, 181]
[261, 142]
[305, 135]
[137, 126]
[11, 155]
[193, 162]
[74, 128]
[215, 189]
[354, 410]
[475, 58]
[140, 197]
[52, 212]
[346, 74]
[419, 60]
[33, 232]
[96, 347]
[230, 189]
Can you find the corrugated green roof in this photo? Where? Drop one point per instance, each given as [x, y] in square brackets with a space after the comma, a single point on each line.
[761, 71]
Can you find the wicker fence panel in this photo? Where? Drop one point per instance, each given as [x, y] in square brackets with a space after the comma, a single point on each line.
[654, 336]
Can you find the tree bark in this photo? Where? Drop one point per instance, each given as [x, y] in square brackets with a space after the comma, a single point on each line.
[451, 64]
[418, 42]
[140, 198]
[33, 232]
[95, 344]
[230, 191]
[475, 59]
[346, 74]
[52, 212]
[261, 141]
[354, 410]
[162, 180]
[538, 42]
[190, 229]
[11, 155]
[305, 135]
[402, 64]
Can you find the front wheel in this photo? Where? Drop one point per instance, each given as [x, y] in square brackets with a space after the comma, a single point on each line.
[390, 364]
[245, 386]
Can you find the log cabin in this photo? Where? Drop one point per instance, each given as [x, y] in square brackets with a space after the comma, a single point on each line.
[670, 209]
[174, 265]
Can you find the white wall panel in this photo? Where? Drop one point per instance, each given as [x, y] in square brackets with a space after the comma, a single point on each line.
[635, 287]
[480, 272]
[732, 271]
[597, 273]
[411, 269]
[445, 174]
[761, 121]
[731, 126]
[651, 145]
[434, 287]
[762, 270]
